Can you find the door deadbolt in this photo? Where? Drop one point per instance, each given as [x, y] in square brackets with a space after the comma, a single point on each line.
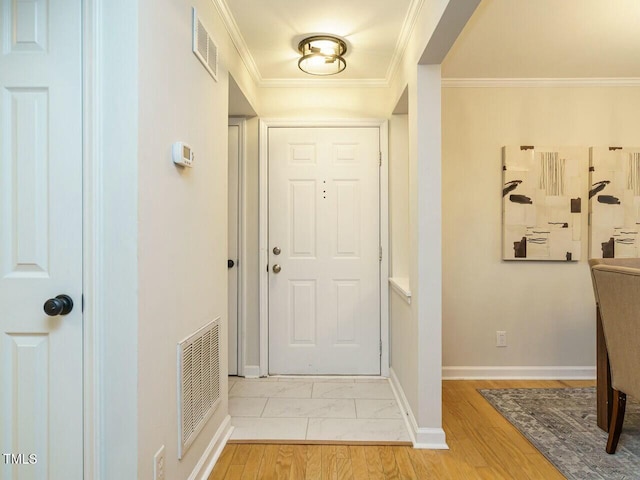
[276, 268]
[276, 250]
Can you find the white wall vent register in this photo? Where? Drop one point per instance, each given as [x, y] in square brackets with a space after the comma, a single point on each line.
[204, 47]
[198, 382]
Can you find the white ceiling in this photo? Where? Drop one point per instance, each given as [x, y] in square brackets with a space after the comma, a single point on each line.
[374, 31]
[548, 39]
[503, 39]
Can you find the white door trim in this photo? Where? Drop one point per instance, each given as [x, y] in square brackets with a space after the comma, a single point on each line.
[92, 264]
[109, 264]
[265, 124]
[242, 240]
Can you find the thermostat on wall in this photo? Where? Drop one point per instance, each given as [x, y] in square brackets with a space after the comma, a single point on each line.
[182, 154]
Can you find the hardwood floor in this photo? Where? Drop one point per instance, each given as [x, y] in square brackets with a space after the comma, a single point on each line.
[483, 445]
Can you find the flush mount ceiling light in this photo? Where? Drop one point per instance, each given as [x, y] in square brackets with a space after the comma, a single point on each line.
[322, 55]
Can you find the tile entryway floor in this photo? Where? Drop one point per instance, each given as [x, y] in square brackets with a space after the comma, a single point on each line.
[315, 409]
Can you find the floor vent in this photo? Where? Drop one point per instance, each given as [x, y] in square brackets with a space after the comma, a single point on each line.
[204, 47]
[198, 382]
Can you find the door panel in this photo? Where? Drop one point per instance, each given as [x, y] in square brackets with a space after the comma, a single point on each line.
[324, 304]
[347, 295]
[302, 224]
[348, 219]
[302, 294]
[40, 238]
[26, 247]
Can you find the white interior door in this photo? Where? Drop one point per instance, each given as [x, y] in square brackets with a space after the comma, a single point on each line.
[324, 241]
[232, 265]
[41, 406]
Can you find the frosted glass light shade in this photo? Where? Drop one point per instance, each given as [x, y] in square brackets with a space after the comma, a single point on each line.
[322, 55]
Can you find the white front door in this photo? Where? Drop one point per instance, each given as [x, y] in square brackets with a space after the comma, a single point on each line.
[324, 240]
[232, 247]
[41, 405]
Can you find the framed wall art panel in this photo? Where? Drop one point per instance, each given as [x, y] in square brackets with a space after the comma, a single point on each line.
[614, 202]
[542, 203]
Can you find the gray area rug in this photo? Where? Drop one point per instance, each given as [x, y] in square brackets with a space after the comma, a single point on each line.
[561, 423]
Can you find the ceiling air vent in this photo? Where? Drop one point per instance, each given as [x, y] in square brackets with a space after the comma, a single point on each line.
[204, 47]
[198, 382]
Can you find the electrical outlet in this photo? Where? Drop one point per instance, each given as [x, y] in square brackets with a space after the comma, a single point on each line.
[158, 464]
[501, 338]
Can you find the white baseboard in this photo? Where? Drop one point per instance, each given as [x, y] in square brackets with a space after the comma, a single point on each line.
[431, 439]
[252, 371]
[518, 373]
[424, 438]
[205, 465]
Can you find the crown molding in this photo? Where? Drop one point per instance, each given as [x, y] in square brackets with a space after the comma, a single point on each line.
[403, 40]
[540, 82]
[324, 82]
[238, 40]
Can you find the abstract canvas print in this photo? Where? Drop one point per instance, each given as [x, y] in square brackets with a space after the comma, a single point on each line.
[541, 202]
[614, 202]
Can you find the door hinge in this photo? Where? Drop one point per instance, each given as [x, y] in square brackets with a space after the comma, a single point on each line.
[379, 159]
[380, 254]
[380, 348]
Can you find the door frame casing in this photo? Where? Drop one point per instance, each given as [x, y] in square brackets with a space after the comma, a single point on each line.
[241, 122]
[92, 381]
[110, 277]
[383, 126]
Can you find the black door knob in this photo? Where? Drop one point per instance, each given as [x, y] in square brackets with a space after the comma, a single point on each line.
[230, 263]
[61, 305]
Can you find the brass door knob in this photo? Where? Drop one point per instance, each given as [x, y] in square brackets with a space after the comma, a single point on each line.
[277, 268]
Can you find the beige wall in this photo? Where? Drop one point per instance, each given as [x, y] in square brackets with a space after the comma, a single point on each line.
[547, 309]
[182, 216]
[399, 195]
[403, 346]
[403, 350]
[416, 328]
[323, 102]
